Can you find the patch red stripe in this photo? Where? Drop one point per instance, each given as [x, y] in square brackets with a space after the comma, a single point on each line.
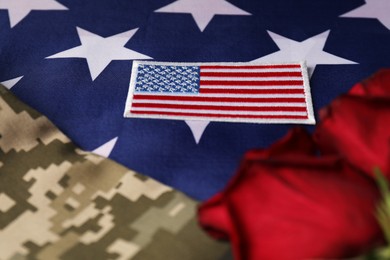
[229, 92]
[251, 91]
[223, 108]
[277, 66]
[251, 74]
[219, 115]
[251, 83]
[219, 99]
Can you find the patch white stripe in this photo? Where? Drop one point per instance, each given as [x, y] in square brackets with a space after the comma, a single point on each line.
[259, 78]
[218, 112]
[228, 95]
[172, 102]
[252, 70]
[253, 87]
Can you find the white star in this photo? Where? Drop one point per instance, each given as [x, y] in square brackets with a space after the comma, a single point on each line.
[18, 9]
[197, 128]
[202, 10]
[106, 149]
[11, 82]
[379, 9]
[310, 50]
[100, 51]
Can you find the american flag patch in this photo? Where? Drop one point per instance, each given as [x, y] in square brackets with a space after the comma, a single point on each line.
[230, 92]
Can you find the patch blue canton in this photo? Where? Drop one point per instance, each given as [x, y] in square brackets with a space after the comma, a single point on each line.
[168, 79]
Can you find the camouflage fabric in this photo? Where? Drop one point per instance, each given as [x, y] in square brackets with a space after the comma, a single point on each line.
[58, 202]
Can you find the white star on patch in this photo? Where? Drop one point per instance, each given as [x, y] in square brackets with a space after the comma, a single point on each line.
[19, 9]
[310, 50]
[379, 9]
[100, 51]
[202, 10]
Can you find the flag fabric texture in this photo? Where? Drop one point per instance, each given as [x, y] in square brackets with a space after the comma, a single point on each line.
[71, 60]
[232, 92]
[59, 202]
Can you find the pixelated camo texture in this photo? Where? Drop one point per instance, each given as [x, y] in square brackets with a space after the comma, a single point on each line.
[58, 202]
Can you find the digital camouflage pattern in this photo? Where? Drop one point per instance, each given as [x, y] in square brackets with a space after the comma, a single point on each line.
[58, 202]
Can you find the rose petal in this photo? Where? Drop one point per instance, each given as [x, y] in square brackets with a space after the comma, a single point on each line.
[297, 140]
[286, 205]
[377, 85]
[357, 129]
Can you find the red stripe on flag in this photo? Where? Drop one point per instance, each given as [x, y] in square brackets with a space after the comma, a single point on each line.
[233, 91]
[218, 115]
[250, 74]
[223, 108]
[251, 83]
[251, 91]
[217, 99]
[279, 66]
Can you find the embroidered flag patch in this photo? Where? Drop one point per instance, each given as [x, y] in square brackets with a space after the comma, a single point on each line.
[230, 92]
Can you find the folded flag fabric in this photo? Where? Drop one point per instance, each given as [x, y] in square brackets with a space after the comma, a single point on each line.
[235, 92]
[59, 202]
[73, 60]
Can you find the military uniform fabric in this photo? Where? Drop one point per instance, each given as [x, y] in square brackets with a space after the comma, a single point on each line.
[59, 202]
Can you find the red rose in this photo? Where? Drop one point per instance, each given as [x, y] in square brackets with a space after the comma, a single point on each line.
[356, 126]
[377, 85]
[287, 203]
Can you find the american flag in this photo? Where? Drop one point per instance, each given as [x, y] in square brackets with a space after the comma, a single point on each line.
[238, 92]
[72, 61]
